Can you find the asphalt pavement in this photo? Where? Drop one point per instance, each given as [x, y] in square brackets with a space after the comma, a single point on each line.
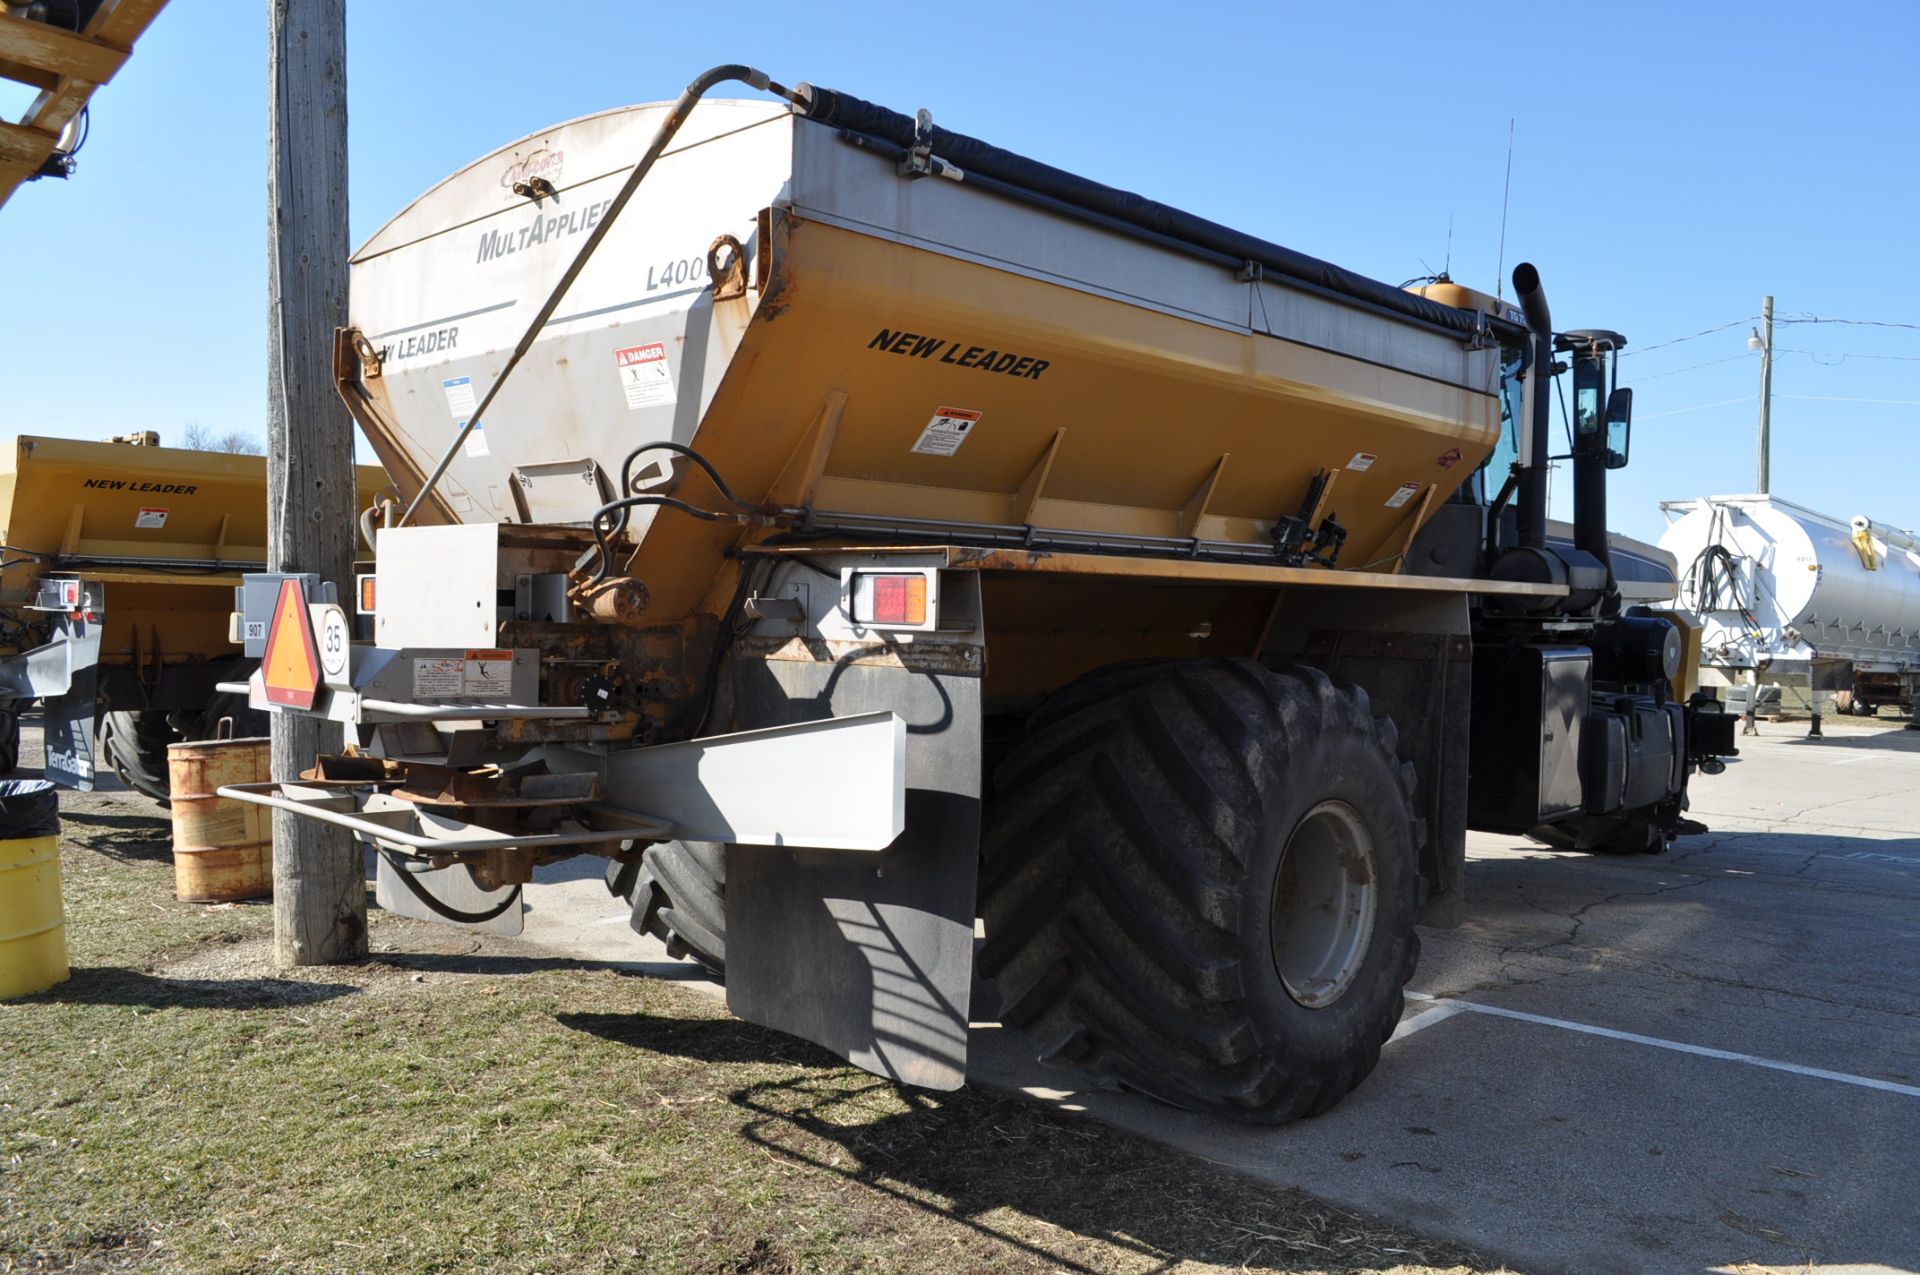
[1707, 1060]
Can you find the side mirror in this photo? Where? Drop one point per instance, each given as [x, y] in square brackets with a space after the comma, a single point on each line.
[1619, 427]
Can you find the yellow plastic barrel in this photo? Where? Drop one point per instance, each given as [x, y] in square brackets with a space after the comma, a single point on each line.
[222, 850]
[33, 931]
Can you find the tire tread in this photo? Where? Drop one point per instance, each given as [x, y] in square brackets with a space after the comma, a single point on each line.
[1112, 864]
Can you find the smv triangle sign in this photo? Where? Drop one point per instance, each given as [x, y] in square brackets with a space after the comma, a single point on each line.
[290, 669]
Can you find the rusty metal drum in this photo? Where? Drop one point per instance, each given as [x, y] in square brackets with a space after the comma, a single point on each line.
[222, 850]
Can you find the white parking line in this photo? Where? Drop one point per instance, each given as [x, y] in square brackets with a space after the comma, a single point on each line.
[1426, 1018]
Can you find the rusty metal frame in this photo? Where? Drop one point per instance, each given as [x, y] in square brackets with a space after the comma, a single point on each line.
[424, 846]
[1188, 570]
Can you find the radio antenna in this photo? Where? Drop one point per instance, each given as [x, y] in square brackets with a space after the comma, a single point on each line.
[1446, 269]
[1500, 264]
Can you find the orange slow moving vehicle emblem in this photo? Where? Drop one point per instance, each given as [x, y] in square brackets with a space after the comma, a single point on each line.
[290, 670]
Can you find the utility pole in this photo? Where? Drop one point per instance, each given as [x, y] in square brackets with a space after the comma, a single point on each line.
[1766, 393]
[319, 889]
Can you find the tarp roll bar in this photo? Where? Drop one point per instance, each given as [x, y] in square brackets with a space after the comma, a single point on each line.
[970, 155]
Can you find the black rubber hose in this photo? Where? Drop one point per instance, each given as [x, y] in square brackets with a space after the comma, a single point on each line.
[603, 537]
[439, 908]
[602, 530]
[678, 449]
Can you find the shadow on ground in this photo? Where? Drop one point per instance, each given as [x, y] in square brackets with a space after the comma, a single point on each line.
[995, 1163]
[497, 963]
[1880, 742]
[128, 838]
[1895, 740]
[1724, 848]
[113, 985]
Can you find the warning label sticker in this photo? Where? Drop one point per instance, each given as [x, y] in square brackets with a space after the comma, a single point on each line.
[475, 675]
[152, 519]
[476, 444]
[1362, 461]
[644, 375]
[437, 677]
[1403, 493]
[946, 431]
[459, 391]
[488, 673]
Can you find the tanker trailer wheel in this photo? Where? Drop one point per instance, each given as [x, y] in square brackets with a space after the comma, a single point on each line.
[1199, 881]
[678, 890]
[135, 745]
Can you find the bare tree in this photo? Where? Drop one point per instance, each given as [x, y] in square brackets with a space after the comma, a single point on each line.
[198, 438]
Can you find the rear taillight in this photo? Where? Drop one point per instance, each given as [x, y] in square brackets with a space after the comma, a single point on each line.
[893, 599]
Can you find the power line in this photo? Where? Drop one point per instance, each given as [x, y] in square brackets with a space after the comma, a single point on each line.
[1661, 345]
[1782, 321]
[1820, 358]
[1804, 398]
[1682, 411]
[1836, 398]
[1654, 376]
[1833, 358]
[1857, 323]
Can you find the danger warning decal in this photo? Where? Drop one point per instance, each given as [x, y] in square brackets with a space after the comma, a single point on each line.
[479, 674]
[946, 431]
[644, 375]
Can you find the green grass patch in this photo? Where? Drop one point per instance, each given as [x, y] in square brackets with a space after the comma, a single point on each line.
[467, 1104]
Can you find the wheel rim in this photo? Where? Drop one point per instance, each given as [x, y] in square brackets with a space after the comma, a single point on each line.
[1324, 899]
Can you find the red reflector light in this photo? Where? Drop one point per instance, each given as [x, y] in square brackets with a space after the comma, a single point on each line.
[900, 599]
[892, 599]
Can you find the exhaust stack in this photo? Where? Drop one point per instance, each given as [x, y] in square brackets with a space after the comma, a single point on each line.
[1531, 505]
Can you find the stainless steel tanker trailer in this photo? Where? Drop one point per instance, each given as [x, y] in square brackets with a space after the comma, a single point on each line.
[1782, 591]
[853, 530]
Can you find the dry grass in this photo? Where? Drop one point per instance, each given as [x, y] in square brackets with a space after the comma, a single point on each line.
[461, 1104]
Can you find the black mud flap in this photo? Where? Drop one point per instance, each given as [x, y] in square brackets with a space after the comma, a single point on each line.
[64, 674]
[69, 731]
[867, 954]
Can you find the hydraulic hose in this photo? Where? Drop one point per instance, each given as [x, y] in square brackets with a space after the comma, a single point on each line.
[678, 449]
[604, 529]
[661, 139]
[604, 532]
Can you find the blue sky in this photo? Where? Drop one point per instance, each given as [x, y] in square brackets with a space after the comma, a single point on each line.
[1672, 164]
